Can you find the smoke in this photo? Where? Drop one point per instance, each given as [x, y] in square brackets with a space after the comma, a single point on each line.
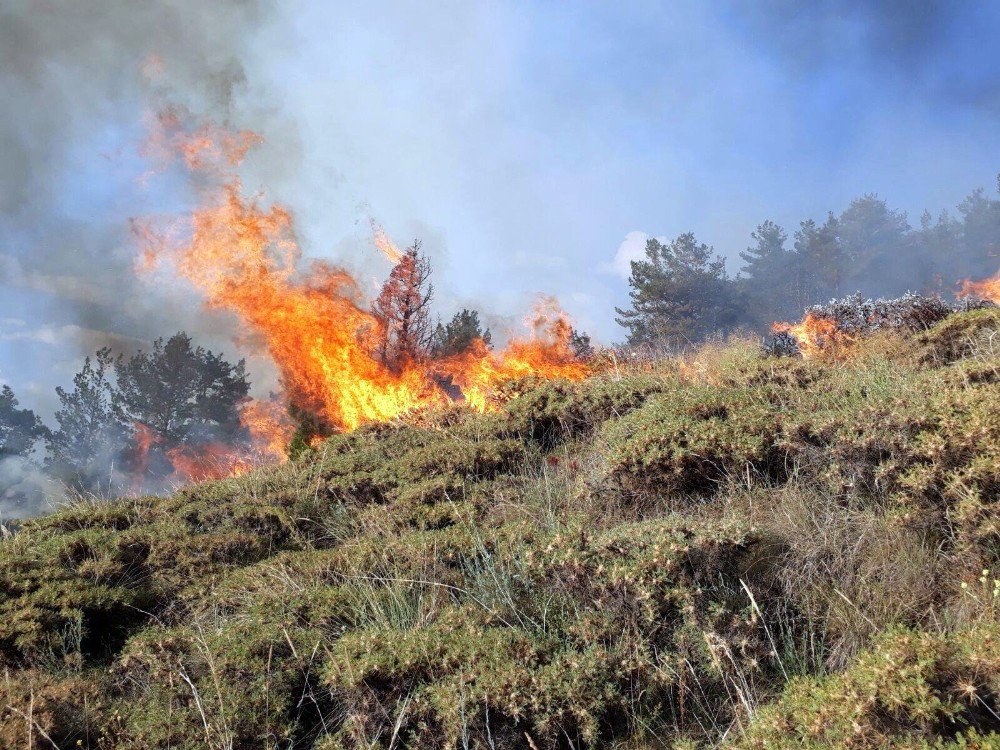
[25, 490]
[76, 80]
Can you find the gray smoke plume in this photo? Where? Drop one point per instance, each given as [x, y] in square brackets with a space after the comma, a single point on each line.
[75, 82]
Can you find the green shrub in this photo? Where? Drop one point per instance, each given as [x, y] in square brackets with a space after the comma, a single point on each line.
[693, 439]
[556, 410]
[912, 689]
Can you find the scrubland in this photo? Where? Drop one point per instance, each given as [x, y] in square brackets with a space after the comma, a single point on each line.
[721, 549]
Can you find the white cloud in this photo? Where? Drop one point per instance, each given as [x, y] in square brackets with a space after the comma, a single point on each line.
[633, 247]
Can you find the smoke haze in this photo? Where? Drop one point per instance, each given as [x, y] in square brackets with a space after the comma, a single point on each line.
[531, 147]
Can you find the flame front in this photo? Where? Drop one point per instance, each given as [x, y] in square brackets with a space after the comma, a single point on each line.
[244, 258]
[987, 289]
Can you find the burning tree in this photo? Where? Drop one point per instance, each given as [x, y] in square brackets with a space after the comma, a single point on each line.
[184, 393]
[402, 309]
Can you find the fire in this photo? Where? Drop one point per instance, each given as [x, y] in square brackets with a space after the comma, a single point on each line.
[269, 430]
[814, 334]
[313, 321]
[987, 289]
[385, 245]
[207, 461]
[546, 353]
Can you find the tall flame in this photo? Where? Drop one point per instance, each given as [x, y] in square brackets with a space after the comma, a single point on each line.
[244, 258]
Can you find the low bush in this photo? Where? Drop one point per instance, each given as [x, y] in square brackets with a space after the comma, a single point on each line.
[912, 690]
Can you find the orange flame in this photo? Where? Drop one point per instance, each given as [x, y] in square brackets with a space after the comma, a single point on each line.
[385, 245]
[244, 258]
[987, 289]
[814, 334]
[546, 353]
[270, 431]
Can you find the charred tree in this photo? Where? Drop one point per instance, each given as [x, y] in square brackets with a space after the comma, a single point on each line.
[403, 311]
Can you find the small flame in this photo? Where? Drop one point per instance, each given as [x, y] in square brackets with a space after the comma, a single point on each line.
[385, 245]
[814, 334]
[987, 289]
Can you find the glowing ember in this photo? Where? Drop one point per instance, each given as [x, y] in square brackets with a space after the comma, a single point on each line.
[987, 289]
[244, 258]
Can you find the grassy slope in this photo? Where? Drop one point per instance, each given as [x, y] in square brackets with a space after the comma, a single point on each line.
[732, 550]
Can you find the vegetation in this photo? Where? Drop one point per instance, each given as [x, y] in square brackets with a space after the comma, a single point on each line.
[681, 292]
[721, 549]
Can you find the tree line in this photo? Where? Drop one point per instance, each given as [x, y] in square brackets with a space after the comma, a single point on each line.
[681, 291]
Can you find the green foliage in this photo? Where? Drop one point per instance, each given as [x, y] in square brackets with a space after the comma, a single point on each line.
[459, 334]
[912, 690]
[557, 410]
[20, 429]
[680, 294]
[792, 576]
[185, 393]
[692, 439]
[89, 433]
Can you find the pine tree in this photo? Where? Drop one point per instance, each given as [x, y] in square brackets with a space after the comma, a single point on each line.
[680, 293]
[90, 436]
[766, 277]
[185, 394]
[20, 429]
[819, 265]
[403, 310]
[459, 334]
[877, 248]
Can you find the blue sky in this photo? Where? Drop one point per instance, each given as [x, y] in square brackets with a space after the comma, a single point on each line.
[527, 144]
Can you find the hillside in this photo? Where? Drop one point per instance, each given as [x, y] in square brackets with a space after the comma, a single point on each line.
[728, 549]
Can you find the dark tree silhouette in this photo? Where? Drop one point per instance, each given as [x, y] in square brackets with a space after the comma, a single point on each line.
[186, 394]
[764, 277]
[680, 293]
[580, 344]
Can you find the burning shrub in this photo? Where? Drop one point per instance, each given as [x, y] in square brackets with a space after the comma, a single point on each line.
[843, 321]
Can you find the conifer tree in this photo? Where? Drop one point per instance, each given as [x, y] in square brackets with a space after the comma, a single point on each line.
[403, 310]
[680, 293]
[20, 429]
[459, 334]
